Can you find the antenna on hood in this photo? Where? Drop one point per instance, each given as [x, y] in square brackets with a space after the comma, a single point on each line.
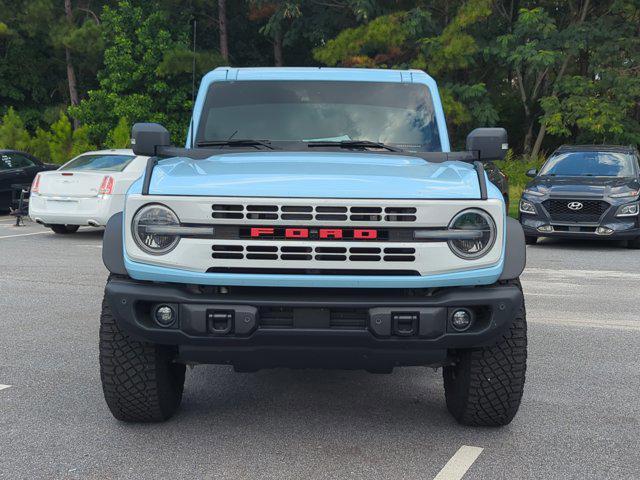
[192, 133]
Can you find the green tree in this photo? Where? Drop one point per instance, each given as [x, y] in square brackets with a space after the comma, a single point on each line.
[147, 72]
[120, 136]
[13, 134]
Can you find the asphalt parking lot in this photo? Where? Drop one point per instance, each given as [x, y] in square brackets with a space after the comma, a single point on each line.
[580, 416]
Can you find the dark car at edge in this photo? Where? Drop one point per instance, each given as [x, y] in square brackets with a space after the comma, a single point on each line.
[589, 191]
[17, 170]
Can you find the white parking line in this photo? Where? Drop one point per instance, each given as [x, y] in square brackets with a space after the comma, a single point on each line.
[458, 465]
[23, 235]
[3, 387]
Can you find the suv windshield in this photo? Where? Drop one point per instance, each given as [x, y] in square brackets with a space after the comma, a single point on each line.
[590, 164]
[398, 114]
[107, 163]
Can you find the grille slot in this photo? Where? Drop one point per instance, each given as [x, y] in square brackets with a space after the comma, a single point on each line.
[331, 250]
[364, 258]
[399, 250]
[326, 213]
[262, 208]
[590, 212]
[304, 253]
[364, 250]
[261, 248]
[322, 209]
[295, 249]
[262, 256]
[330, 217]
[296, 216]
[227, 255]
[227, 248]
[295, 256]
[331, 258]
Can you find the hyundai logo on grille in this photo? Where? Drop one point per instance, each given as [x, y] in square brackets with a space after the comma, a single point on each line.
[575, 205]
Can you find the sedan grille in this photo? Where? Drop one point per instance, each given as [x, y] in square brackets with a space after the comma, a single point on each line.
[583, 211]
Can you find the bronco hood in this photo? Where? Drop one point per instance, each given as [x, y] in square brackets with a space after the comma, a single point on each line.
[314, 174]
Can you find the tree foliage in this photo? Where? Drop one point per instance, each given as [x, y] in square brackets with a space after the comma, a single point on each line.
[549, 71]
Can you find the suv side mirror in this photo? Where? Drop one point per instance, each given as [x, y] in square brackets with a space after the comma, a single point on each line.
[490, 143]
[145, 137]
[532, 172]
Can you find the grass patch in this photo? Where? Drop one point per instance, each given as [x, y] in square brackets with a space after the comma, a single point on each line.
[516, 168]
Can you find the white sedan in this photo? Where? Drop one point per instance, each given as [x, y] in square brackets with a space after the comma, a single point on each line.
[86, 190]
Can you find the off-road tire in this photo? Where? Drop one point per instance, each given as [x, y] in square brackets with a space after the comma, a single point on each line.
[530, 240]
[634, 243]
[64, 229]
[140, 381]
[485, 386]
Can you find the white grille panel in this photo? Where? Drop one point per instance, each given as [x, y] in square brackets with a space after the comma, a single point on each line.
[426, 258]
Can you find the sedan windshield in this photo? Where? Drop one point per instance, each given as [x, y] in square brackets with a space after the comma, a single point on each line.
[107, 163]
[400, 114]
[589, 164]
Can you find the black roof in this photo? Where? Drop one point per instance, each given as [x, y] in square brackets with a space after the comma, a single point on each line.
[596, 148]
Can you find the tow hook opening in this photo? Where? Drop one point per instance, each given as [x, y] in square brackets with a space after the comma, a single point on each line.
[405, 324]
[220, 322]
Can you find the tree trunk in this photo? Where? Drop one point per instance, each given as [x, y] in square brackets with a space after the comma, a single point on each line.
[222, 23]
[71, 73]
[277, 49]
[543, 128]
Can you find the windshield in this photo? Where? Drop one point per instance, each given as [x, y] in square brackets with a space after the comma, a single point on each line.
[107, 163]
[589, 164]
[398, 114]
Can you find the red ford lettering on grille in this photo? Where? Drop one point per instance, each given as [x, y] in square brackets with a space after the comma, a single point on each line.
[262, 232]
[314, 234]
[296, 233]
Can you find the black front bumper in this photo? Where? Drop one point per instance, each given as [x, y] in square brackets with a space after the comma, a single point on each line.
[253, 328]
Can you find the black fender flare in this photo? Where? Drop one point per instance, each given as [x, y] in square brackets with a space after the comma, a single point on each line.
[112, 248]
[515, 254]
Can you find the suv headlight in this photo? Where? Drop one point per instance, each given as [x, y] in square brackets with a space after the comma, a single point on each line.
[478, 220]
[629, 210]
[148, 219]
[527, 207]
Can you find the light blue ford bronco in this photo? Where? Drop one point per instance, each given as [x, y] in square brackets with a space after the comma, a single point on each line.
[316, 218]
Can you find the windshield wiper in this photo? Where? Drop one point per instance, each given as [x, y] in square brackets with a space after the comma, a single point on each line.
[238, 142]
[354, 144]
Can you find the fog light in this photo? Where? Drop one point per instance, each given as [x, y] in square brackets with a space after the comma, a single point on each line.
[545, 228]
[461, 319]
[604, 231]
[165, 316]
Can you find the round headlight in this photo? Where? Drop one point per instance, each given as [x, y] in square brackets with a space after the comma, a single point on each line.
[147, 237]
[478, 220]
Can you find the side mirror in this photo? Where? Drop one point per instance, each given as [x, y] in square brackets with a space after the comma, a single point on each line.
[490, 143]
[145, 137]
[532, 172]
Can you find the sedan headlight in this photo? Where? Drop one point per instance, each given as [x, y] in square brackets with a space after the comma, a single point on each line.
[527, 207]
[478, 221]
[151, 226]
[629, 210]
